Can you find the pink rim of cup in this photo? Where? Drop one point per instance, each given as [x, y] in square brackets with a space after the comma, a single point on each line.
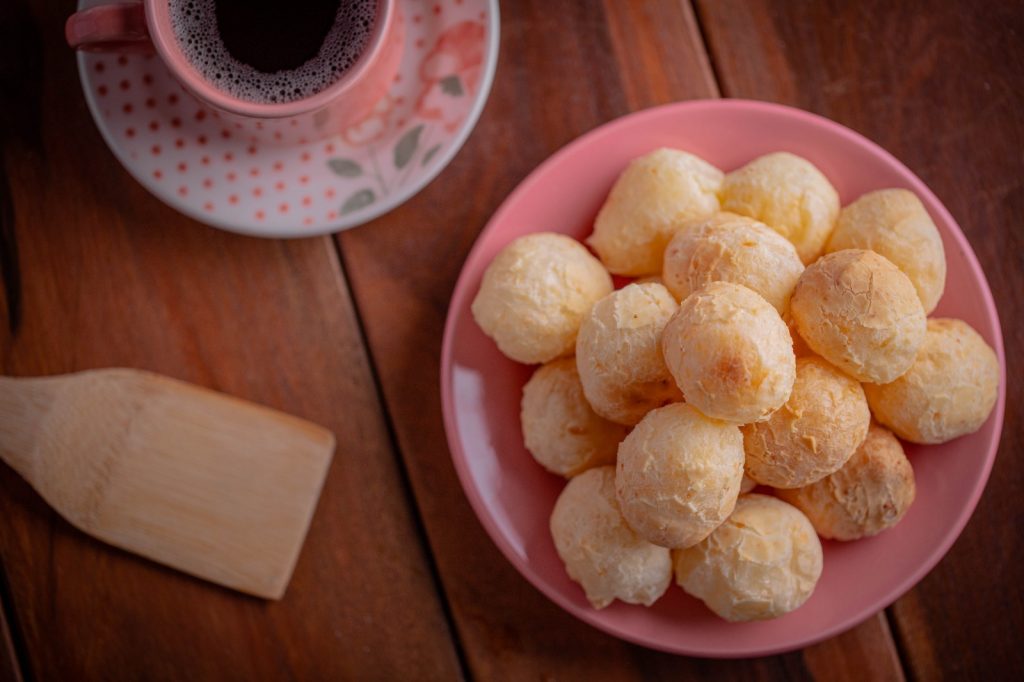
[489, 242]
[146, 25]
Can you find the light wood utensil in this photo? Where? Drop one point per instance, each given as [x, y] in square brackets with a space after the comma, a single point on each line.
[209, 484]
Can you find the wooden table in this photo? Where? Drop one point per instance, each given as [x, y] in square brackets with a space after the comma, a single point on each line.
[397, 579]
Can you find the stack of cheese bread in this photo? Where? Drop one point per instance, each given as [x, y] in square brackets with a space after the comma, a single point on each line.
[769, 337]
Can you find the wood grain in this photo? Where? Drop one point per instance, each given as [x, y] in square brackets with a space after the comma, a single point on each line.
[403, 268]
[111, 277]
[867, 652]
[940, 86]
[659, 53]
[9, 669]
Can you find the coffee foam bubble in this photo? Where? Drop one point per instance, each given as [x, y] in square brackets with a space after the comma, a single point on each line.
[195, 26]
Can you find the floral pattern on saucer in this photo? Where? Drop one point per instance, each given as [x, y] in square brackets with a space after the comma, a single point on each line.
[208, 169]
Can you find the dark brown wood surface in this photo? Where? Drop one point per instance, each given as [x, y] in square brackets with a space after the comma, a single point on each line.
[9, 668]
[397, 579]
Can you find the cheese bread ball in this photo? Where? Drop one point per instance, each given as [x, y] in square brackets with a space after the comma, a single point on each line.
[858, 311]
[535, 293]
[948, 392]
[790, 195]
[747, 484]
[600, 551]
[678, 475]
[821, 425]
[560, 429]
[895, 224]
[649, 202]
[763, 562]
[732, 248]
[730, 353]
[618, 357]
[872, 491]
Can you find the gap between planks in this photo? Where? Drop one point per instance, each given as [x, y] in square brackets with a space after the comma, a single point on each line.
[899, 645]
[337, 258]
[13, 665]
[700, 39]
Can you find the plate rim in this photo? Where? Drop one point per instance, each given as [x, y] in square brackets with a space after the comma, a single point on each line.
[588, 616]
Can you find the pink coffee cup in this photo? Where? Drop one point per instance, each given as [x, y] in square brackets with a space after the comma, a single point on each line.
[145, 27]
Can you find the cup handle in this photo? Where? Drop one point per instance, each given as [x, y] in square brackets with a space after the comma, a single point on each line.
[109, 28]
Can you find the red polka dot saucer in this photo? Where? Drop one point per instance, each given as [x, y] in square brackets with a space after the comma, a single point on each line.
[209, 170]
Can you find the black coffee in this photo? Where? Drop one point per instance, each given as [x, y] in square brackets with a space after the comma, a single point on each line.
[270, 35]
[272, 50]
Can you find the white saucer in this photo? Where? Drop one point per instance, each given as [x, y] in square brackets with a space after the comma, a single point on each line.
[194, 162]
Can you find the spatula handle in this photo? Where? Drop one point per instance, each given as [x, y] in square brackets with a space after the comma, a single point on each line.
[24, 404]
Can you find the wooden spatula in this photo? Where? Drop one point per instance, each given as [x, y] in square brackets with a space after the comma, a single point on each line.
[209, 484]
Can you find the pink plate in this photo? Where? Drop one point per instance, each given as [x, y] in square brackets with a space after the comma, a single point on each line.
[513, 496]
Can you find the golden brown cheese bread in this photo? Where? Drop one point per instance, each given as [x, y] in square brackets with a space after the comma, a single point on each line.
[788, 194]
[730, 353]
[870, 493]
[678, 475]
[535, 293]
[600, 551]
[618, 357]
[895, 224]
[821, 425]
[731, 248]
[560, 428]
[858, 311]
[949, 390]
[763, 562]
[651, 200]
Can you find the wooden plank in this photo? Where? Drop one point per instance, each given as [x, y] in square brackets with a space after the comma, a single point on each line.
[938, 85]
[403, 269]
[866, 652]
[659, 53]
[110, 276]
[9, 668]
